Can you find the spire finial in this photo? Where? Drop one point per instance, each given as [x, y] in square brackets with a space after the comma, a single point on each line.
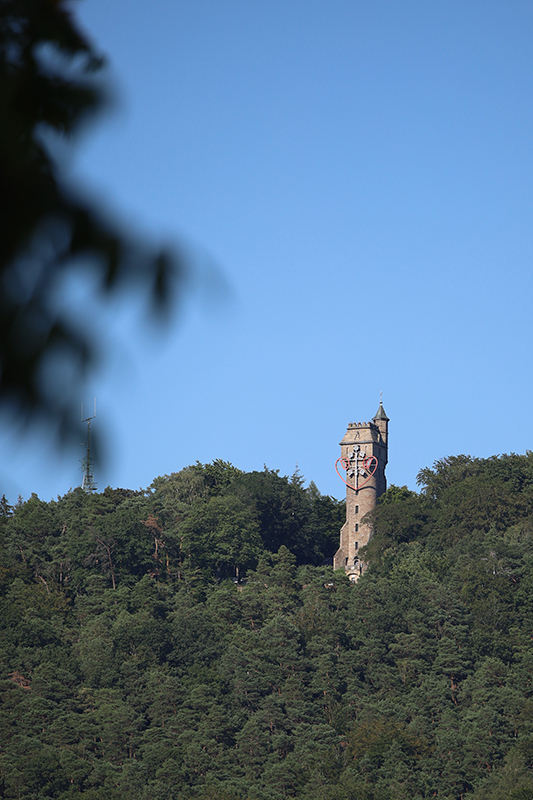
[380, 413]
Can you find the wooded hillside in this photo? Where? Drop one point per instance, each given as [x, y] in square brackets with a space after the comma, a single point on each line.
[135, 665]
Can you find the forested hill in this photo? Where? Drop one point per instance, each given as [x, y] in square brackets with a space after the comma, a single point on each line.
[138, 663]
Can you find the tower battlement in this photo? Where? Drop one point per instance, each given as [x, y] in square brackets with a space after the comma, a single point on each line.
[364, 456]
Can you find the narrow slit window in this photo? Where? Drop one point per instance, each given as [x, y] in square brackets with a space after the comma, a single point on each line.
[356, 527]
[357, 545]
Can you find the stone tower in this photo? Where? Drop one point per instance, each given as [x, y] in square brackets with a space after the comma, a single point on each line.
[364, 454]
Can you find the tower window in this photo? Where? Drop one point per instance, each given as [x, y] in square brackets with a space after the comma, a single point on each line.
[357, 509]
[357, 545]
[356, 527]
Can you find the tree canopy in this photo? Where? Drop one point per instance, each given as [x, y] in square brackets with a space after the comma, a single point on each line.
[153, 644]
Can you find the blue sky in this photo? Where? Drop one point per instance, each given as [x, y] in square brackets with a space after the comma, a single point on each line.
[353, 181]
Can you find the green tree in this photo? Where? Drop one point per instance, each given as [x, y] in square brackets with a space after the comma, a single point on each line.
[221, 535]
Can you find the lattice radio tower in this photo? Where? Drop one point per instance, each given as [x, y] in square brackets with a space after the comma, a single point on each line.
[88, 483]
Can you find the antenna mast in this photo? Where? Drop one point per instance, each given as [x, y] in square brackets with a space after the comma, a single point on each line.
[88, 483]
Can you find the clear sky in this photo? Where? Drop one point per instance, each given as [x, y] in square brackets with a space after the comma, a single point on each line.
[357, 177]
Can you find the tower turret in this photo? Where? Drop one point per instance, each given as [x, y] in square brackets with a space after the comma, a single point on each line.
[382, 422]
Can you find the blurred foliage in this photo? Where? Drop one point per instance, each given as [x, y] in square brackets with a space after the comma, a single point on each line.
[49, 88]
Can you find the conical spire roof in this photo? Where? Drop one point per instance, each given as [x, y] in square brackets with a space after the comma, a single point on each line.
[380, 413]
